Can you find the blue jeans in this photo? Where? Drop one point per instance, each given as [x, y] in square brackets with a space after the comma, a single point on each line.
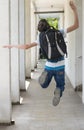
[59, 76]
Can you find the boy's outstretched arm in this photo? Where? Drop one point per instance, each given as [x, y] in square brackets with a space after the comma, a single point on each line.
[25, 46]
[76, 20]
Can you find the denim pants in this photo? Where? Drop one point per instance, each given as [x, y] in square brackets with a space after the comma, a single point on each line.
[59, 76]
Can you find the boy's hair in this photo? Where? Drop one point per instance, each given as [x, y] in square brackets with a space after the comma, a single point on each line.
[43, 25]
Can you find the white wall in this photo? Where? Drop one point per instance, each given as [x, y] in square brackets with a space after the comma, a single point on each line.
[37, 20]
[33, 38]
[28, 36]
[73, 63]
[79, 43]
[83, 50]
[5, 95]
[70, 61]
[22, 41]
[14, 5]
[61, 20]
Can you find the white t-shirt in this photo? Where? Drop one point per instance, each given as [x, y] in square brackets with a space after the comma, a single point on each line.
[54, 65]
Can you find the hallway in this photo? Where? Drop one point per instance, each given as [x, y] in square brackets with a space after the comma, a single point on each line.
[37, 112]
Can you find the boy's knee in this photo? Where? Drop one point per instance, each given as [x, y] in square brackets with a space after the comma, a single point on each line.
[62, 88]
[43, 85]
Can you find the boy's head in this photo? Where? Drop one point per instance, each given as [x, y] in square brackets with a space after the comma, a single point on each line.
[43, 25]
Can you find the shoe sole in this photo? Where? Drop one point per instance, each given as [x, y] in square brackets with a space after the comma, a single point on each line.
[56, 98]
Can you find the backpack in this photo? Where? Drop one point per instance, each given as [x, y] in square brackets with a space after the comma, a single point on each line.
[52, 44]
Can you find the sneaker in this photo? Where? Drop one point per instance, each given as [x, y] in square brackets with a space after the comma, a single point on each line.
[56, 98]
[43, 77]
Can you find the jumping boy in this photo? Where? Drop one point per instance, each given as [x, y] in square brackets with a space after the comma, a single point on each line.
[56, 68]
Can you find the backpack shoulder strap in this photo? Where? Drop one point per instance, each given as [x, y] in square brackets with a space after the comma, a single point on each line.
[57, 39]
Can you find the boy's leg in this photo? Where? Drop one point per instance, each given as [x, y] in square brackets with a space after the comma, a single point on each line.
[56, 98]
[45, 78]
[60, 82]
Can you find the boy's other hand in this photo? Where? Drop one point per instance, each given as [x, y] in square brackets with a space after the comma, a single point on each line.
[7, 46]
[72, 5]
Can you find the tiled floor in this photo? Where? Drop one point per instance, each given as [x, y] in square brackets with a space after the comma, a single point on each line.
[38, 113]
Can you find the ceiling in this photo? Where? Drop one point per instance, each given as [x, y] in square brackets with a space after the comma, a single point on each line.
[48, 5]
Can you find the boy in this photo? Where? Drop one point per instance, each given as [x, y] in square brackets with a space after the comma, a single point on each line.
[56, 68]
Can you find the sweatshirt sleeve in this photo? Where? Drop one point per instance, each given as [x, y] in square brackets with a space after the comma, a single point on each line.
[64, 32]
[37, 40]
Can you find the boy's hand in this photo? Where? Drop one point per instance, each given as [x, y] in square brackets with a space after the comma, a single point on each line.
[72, 5]
[7, 46]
